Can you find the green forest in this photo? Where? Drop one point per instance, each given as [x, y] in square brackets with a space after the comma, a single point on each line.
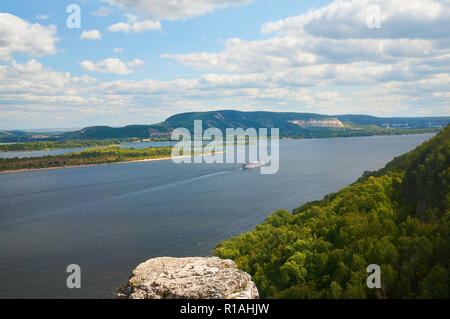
[45, 145]
[368, 130]
[397, 217]
[101, 155]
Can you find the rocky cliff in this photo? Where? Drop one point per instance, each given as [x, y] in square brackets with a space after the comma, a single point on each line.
[328, 122]
[189, 278]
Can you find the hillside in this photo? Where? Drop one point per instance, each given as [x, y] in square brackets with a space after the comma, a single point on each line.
[297, 125]
[397, 217]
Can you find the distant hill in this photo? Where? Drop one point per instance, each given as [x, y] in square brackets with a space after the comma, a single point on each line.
[15, 136]
[301, 125]
[397, 217]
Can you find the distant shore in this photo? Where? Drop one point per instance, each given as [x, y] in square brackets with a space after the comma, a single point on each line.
[99, 164]
[87, 165]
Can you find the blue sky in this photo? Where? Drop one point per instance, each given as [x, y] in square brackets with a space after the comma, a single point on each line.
[136, 62]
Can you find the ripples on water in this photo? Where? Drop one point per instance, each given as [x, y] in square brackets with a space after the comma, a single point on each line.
[109, 218]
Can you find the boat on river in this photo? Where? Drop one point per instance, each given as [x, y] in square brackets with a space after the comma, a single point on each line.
[254, 164]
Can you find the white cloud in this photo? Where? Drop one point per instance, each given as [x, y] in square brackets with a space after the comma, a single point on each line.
[111, 66]
[333, 47]
[31, 81]
[157, 10]
[91, 35]
[327, 96]
[137, 27]
[103, 11]
[118, 50]
[134, 26]
[20, 36]
[85, 79]
[314, 56]
[152, 12]
[135, 63]
[344, 19]
[296, 67]
[34, 92]
[253, 56]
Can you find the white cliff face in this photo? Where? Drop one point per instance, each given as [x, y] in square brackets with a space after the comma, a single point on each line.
[189, 278]
[328, 122]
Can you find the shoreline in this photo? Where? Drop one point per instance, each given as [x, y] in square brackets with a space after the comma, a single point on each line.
[88, 165]
[170, 157]
[99, 164]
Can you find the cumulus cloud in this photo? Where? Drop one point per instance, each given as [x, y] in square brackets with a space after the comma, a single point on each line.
[333, 47]
[32, 94]
[31, 81]
[30, 90]
[344, 19]
[157, 10]
[152, 12]
[103, 11]
[118, 50]
[327, 96]
[91, 35]
[135, 63]
[111, 66]
[337, 35]
[20, 36]
[298, 66]
[135, 27]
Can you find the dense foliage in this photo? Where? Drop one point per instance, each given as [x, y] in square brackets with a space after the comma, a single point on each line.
[398, 218]
[92, 156]
[104, 155]
[348, 132]
[44, 145]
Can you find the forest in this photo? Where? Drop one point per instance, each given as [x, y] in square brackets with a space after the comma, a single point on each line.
[397, 217]
[100, 155]
[46, 145]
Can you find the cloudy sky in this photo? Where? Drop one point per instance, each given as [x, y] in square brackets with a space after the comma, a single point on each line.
[140, 61]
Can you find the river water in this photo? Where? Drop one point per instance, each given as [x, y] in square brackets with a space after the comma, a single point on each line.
[109, 218]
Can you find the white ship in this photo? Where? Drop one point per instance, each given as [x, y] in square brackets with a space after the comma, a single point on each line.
[254, 164]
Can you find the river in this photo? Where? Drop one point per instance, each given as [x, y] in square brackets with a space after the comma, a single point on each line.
[109, 218]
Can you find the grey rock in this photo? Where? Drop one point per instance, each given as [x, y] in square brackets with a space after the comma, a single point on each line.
[189, 278]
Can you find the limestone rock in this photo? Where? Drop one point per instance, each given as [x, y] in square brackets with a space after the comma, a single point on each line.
[326, 122]
[189, 278]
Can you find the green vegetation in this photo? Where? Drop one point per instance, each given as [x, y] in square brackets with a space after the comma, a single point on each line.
[99, 155]
[397, 217]
[112, 154]
[349, 132]
[35, 146]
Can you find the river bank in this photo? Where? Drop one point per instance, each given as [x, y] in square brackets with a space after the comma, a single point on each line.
[102, 164]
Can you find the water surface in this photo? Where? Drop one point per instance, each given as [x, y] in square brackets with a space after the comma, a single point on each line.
[60, 151]
[109, 218]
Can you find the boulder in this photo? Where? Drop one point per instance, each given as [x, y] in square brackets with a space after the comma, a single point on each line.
[189, 278]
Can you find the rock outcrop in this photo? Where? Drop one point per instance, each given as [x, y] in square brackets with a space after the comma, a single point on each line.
[189, 278]
[327, 122]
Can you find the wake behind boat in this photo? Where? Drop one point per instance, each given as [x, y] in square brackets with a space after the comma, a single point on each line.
[254, 164]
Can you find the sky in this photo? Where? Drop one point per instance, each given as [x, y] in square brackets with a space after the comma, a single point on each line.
[121, 62]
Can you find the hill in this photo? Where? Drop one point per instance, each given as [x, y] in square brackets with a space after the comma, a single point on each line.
[397, 217]
[297, 125]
